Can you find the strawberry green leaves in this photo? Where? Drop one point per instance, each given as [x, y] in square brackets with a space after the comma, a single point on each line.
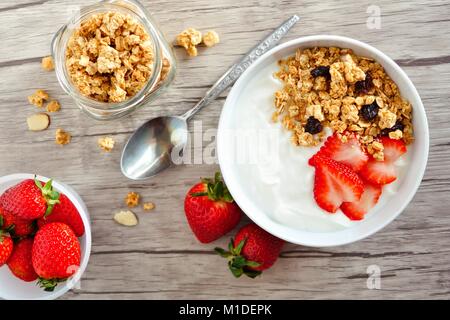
[49, 285]
[237, 263]
[51, 196]
[216, 190]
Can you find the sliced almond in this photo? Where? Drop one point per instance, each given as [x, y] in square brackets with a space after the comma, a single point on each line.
[126, 218]
[38, 122]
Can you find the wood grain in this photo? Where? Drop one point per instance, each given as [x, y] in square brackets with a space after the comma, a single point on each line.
[160, 258]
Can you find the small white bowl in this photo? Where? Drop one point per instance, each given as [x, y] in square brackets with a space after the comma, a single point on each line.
[12, 288]
[385, 213]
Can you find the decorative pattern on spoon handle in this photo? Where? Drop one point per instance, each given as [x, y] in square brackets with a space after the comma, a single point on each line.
[238, 68]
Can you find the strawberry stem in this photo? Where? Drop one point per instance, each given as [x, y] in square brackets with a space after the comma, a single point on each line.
[237, 263]
[48, 285]
[216, 190]
[51, 196]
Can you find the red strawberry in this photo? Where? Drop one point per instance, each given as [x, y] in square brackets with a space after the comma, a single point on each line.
[357, 210]
[349, 152]
[15, 226]
[378, 172]
[383, 172]
[393, 149]
[7, 219]
[65, 212]
[29, 200]
[252, 251]
[56, 254]
[23, 228]
[335, 183]
[20, 261]
[210, 210]
[6, 247]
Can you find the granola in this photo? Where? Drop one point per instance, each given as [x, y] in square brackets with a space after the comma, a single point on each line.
[53, 106]
[147, 206]
[38, 98]
[132, 199]
[62, 137]
[106, 143]
[47, 63]
[189, 39]
[342, 91]
[210, 38]
[109, 57]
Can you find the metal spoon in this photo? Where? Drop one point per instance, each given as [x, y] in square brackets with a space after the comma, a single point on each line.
[149, 150]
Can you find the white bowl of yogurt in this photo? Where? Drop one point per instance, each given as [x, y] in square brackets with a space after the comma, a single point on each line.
[270, 178]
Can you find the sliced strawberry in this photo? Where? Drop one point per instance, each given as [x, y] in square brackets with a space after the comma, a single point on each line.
[335, 183]
[378, 172]
[393, 149]
[356, 210]
[349, 152]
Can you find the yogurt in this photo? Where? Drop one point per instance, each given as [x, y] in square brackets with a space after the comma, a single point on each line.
[278, 176]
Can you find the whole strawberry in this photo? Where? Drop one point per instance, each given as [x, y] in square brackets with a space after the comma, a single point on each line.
[7, 219]
[252, 251]
[20, 261]
[210, 210]
[15, 226]
[23, 228]
[56, 254]
[64, 212]
[6, 247]
[29, 199]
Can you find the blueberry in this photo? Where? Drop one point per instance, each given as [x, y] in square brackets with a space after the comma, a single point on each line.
[397, 126]
[323, 71]
[369, 111]
[363, 86]
[313, 125]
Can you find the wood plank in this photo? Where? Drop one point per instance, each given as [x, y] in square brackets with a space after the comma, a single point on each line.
[150, 261]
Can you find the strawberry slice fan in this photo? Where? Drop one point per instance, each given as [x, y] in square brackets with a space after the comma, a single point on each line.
[347, 178]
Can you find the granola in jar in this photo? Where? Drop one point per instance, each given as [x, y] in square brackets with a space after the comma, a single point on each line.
[109, 57]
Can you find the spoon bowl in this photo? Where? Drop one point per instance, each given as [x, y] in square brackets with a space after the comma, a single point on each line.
[160, 141]
[153, 147]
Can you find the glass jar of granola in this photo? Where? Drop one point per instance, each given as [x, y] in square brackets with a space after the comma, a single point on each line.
[112, 58]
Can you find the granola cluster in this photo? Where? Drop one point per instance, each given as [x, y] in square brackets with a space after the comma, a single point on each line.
[62, 137]
[132, 199]
[109, 57]
[106, 143]
[333, 87]
[190, 38]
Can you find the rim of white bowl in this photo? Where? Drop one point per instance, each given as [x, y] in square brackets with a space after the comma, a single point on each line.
[75, 198]
[307, 238]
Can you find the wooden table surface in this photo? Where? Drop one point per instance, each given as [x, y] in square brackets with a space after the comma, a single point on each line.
[160, 258]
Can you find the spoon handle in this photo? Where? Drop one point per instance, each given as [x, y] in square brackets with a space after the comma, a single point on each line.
[238, 68]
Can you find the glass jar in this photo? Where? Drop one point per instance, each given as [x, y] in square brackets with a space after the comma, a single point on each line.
[163, 68]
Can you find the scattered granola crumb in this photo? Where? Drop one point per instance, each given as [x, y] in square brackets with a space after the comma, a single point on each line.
[106, 143]
[148, 206]
[62, 137]
[192, 51]
[38, 98]
[38, 122]
[126, 218]
[53, 106]
[189, 39]
[47, 63]
[211, 38]
[132, 199]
